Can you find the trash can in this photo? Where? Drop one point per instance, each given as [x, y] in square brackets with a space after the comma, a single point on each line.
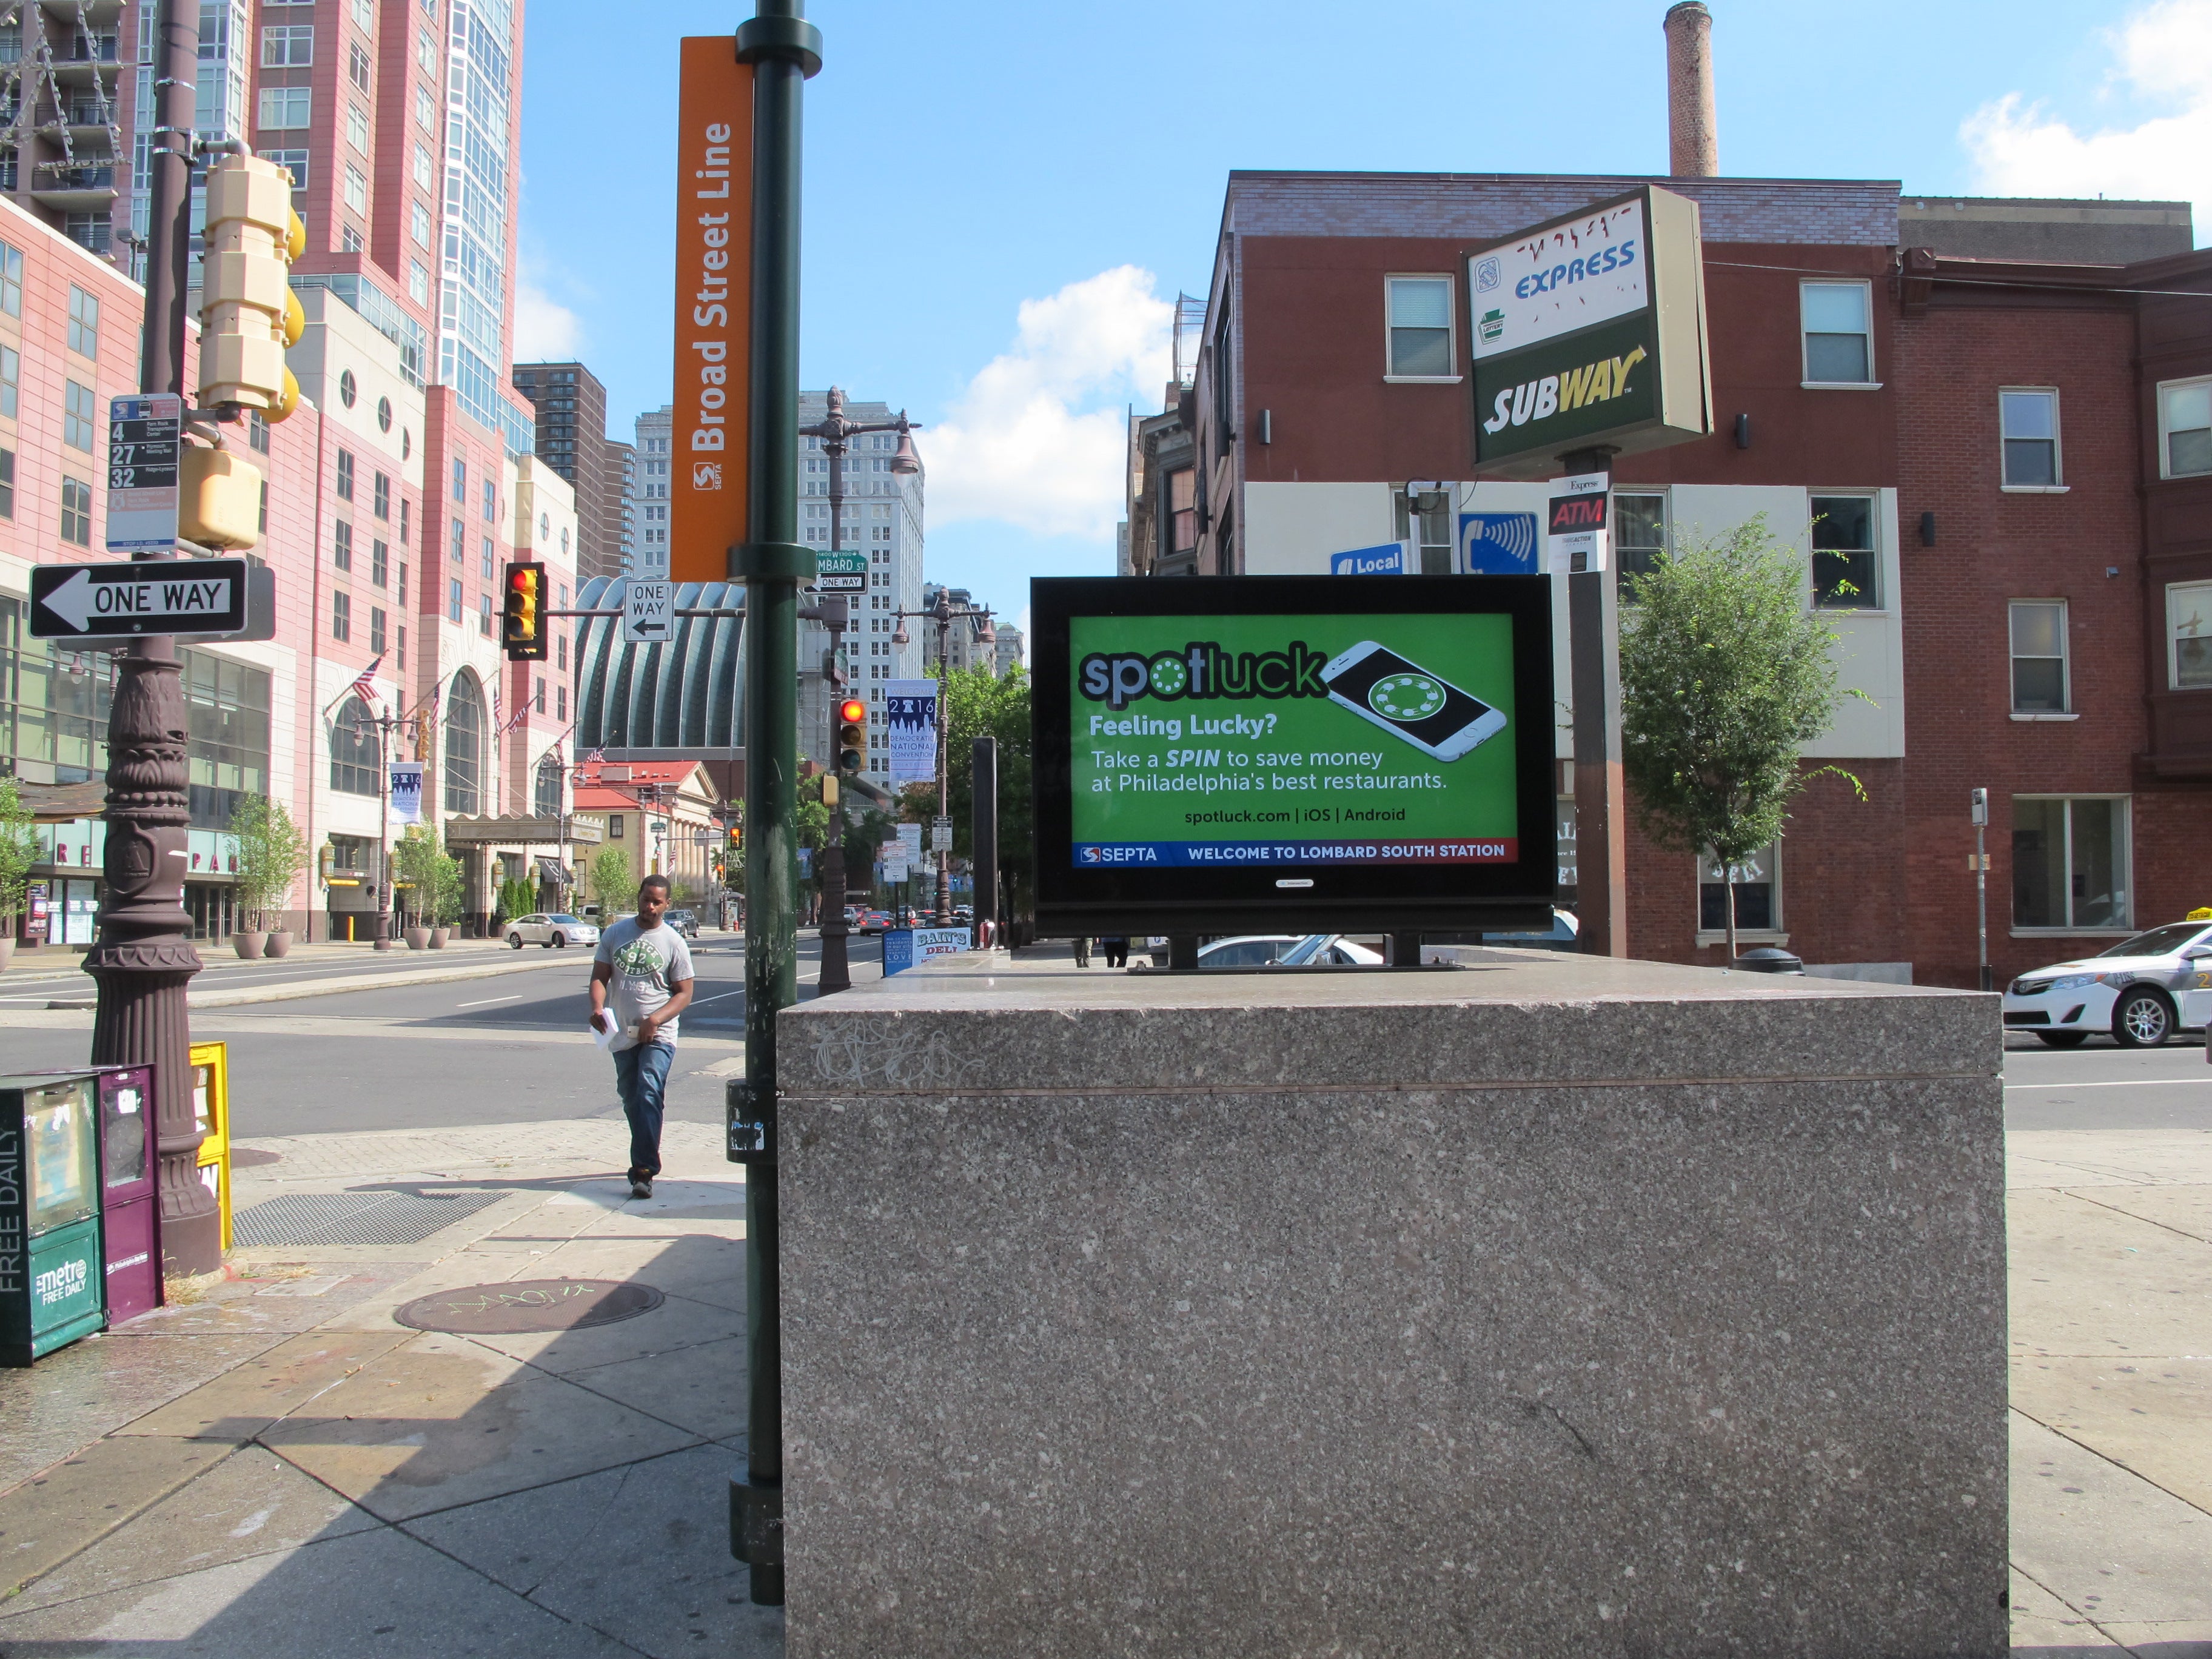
[52, 1285]
[1768, 959]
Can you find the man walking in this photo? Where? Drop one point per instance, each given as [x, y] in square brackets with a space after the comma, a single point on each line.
[648, 969]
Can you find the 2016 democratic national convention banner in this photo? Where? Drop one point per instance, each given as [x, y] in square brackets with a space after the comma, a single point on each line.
[1253, 740]
[910, 717]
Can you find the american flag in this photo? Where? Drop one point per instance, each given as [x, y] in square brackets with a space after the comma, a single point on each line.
[365, 687]
[598, 756]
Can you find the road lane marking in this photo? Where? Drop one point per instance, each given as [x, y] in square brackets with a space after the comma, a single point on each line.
[486, 1001]
[2120, 1083]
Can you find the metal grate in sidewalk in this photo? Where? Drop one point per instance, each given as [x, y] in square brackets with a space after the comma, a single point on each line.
[356, 1217]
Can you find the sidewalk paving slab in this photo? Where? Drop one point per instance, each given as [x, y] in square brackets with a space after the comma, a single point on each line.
[82, 1499]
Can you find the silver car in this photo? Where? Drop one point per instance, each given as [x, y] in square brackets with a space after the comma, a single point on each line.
[2141, 990]
[552, 932]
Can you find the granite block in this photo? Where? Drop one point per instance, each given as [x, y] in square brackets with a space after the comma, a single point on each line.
[1554, 1309]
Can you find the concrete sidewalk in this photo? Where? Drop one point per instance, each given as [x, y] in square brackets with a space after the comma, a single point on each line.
[282, 1469]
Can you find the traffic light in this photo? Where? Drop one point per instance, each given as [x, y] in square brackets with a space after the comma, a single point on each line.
[522, 631]
[852, 735]
[248, 312]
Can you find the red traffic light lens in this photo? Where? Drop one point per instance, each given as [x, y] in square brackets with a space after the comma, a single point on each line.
[852, 711]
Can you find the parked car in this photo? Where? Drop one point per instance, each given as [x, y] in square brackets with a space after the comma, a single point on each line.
[552, 931]
[685, 922]
[2143, 990]
[1562, 935]
[874, 921]
[1287, 950]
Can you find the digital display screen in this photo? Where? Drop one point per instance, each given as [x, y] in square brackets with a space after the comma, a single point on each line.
[1299, 744]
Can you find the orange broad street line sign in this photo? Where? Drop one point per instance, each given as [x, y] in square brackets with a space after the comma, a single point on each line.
[714, 305]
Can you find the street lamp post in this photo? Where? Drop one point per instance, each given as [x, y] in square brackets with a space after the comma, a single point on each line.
[385, 726]
[944, 613]
[836, 434]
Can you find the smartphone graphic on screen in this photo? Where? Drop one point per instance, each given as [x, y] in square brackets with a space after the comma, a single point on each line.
[1408, 702]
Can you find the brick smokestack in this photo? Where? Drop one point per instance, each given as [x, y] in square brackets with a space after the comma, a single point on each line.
[1693, 147]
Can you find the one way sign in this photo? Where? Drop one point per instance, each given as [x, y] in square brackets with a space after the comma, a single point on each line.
[150, 596]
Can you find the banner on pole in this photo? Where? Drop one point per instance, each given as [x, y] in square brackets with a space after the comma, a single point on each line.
[713, 312]
[406, 792]
[910, 714]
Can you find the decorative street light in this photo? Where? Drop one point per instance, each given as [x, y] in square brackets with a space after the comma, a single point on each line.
[385, 726]
[944, 613]
[834, 433]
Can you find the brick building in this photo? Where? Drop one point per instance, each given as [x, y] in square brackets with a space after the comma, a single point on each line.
[571, 407]
[2028, 372]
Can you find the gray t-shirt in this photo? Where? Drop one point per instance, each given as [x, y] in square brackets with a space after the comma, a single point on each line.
[647, 962]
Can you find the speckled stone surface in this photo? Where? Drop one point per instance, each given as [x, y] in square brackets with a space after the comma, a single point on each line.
[1559, 1307]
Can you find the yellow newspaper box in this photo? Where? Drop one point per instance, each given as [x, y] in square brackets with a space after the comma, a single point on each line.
[211, 1111]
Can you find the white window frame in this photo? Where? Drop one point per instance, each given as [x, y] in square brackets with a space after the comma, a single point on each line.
[1882, 577]
[2058, 485]
[281, 38]
[357, 127]
[1804, 364]
[287, 109]
[2065, 710]
[300, 161]
[1775, 935]
[2127, 871]
[1451, 327]
[2164, 447]
[2200, 601]
[356, 189]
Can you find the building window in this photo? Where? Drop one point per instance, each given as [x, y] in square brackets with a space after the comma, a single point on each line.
[560, 641]
[404, 505]
[422, 173]
[11, 279]
[491, 500]
[354, 745]
[83, 323]
[287, 108]
[560, 703]
[288, 45]
[418, 281]
[352, 240]
[7, 483]
[400, 650]
[346, 475]
[380, 496]
[465, 728]
[379, 562]
[453, 602]
[79, 417]
[257, 431]
[342, 545]
[1844, 553]
[538, 701]
[376, 628]
[2028, 418]
[614, 826]
[1420, 327]
[341, 615]
[357, 127]
[2070, 863]
[1757, 881]
[357, 65]
[460, 481]
[296, 161]
[2038, 656]
[263, 526]
[1434, 508]
[356, 188]
[547, 802]
[2185, 428]
[426, 111]
[1639, 534]
[2188, 629]
[487, 560]
[76, 511]
[11, 376]
[458, 551]
[483, 615]
[1838, 333]
[403, 584]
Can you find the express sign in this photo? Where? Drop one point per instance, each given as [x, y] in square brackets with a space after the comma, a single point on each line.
[1590, 331]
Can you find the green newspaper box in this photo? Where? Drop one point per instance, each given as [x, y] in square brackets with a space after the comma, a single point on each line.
[52, 1287]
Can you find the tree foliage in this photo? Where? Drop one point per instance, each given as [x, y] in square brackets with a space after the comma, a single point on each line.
[608, 877]
[1725, 677]
[271, 853]
[978, 704]
[19, 849]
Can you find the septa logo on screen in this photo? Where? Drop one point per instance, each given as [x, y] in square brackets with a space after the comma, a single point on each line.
[1202, 670]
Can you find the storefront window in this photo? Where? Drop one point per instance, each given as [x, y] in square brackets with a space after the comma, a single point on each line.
[2070, 863]
[1758, 892]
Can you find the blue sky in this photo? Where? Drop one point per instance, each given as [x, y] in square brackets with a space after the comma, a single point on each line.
[1001, 199]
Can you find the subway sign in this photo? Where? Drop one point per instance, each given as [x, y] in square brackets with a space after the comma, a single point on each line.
[1590, 331]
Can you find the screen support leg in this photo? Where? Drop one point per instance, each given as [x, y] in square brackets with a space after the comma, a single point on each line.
[1182, 951]
[1405, 949]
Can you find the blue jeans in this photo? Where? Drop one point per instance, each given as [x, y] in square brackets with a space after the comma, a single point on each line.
[641, 1078]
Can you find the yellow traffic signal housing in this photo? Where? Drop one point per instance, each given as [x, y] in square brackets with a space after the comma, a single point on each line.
[523, 631]
[248, 312]
[218, 499]
[852, 735]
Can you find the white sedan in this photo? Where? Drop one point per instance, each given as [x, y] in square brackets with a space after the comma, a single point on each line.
[2143, 990]
[550, 931]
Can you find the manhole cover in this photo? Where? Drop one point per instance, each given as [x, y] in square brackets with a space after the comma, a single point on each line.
[530, 1304]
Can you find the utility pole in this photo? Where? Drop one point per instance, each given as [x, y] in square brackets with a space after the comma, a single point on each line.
[144, 957]
[784, 50]
[1601, 830]
[1979, 808]
[983, 810]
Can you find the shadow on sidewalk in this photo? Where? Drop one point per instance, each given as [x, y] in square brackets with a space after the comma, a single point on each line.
[539, 1495]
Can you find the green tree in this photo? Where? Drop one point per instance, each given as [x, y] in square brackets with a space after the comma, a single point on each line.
[446, 889]
[19, 851]
[517, 898]
[978, 704]
[611, 881]
[415, 858]
[1725, 677]
[271, 853]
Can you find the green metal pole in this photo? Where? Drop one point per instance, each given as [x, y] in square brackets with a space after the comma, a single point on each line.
[784, 50]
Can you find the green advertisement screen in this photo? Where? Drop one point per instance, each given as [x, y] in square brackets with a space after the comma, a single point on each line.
[1241, 741]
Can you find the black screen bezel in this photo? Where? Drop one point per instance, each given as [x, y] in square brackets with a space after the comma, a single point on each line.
[1432, 897]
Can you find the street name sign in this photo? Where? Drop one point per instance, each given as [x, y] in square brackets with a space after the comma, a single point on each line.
[145, 453]
[1590, 331]
[648, 611]
[188, 597]
[842, 573]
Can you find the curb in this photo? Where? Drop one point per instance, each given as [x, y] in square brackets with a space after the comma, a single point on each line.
[323, 987]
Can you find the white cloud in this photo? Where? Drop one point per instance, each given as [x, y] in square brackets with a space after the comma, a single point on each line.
[1040, 437]
[545, 330]
[2163, 55]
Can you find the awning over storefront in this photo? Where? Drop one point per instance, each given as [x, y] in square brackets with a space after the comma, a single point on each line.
[520, 832]
[677, 701]
[62, 803]
[553, 871]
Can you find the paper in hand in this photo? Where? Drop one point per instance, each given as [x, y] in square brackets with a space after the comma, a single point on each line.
[603, 1027]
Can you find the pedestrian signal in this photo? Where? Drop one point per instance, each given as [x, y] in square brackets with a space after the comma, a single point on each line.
[852, 735]
[523, 627]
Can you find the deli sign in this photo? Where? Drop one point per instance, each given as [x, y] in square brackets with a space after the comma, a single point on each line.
[1587, 330]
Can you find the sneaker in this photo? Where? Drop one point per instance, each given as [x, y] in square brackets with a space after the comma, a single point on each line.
[641, 1184]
